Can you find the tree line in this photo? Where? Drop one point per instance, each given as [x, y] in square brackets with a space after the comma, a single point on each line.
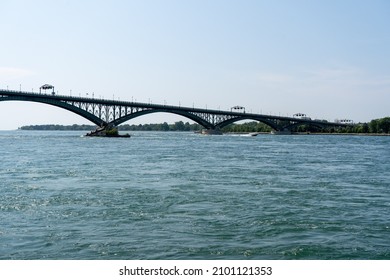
[380, 126]
[376, 126]
[58, 127]
[177, 126]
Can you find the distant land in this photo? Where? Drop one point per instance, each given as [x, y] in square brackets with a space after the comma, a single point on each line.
[377, 126]
[177, 126]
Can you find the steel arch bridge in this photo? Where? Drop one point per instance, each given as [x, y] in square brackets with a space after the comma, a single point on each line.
[110, 113]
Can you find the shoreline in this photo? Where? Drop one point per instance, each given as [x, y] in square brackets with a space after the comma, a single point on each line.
[227, 133]
[313, 133]
[341, 134]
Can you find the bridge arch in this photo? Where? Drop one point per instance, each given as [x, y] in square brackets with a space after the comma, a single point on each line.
[294, 125]
[188, 115]
[59, 104]
[271, 124]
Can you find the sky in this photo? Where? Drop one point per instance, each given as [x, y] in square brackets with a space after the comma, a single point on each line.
[327, 59]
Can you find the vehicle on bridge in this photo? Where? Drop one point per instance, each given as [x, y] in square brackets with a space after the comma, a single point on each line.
[301, 116]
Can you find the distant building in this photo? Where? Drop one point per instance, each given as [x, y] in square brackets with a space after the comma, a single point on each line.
[45, 87]
[238, 108]
[344, 121]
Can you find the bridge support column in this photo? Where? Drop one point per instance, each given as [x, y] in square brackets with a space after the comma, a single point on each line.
[108, 130]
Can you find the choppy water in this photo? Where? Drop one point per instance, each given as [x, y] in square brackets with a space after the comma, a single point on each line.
[187, 196]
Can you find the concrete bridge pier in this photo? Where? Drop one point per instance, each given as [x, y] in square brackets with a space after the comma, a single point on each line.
[107, 130]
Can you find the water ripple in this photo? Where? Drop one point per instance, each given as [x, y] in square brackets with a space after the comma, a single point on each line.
[186, 196]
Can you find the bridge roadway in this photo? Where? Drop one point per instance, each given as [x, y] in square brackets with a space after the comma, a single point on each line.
[107, 113]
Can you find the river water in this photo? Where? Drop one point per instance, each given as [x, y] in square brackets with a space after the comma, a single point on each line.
[163, 195]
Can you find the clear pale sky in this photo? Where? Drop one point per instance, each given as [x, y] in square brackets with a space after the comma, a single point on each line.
[328, 59]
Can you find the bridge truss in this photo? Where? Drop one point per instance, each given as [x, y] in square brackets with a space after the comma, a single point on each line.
[109, 113]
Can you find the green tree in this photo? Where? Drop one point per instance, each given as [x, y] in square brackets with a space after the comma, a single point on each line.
[384, 125]
[165, 126]
[179, 126]
[373, 126]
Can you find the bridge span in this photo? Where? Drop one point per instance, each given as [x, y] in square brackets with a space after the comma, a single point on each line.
[107, 113]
